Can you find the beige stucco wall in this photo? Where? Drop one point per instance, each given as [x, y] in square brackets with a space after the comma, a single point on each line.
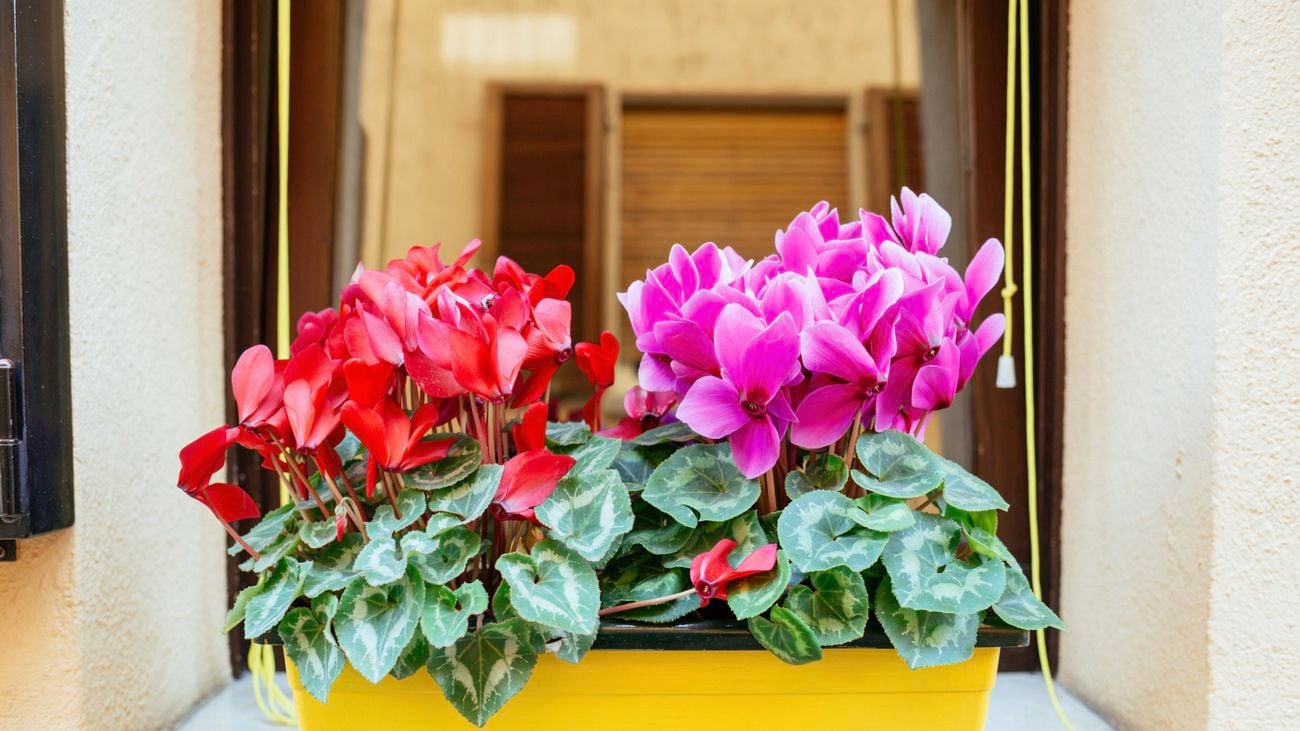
[115, 623]
[435, 184]
[1179, 515]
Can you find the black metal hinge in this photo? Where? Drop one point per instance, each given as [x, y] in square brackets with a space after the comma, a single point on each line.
[11, 508]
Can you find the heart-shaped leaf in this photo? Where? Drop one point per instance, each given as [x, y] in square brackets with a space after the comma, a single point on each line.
[753, 595]
[380, 561]
[823, 471]
[597, 453]
[236, 614]
[676, 431]
[924, 639]
[266, 608]
[588, 511]
[463, 458]
[786, 636]
[310, 644]
[318, 533]
[469, 497]
[899, 466]
[414, 657]
[385, 522]
[446, 613]
[700, 482]
[820, 530]
[485, 669]
[280, 547]
[885, 514]
[1019, 607]
[656, 532]
[634, 466]
[926, 574]
[963, 490]
[567, 433]
[571, 648]
[835, 607]
[375, 623]
[332, 567]
[440, 554]
[553, 586]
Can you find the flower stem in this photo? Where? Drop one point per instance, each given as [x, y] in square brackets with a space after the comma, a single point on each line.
[646, 603]
[238, 538]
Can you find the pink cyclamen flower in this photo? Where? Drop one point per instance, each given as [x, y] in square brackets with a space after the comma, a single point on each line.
[747, 404]
[826, 413]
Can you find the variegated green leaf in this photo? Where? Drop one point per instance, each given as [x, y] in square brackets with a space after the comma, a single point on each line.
[885, 514]
[634, 466]
[820, 530]
[461, 461]
[571, 648]
[264, 609]
[440, 555]
[236, 613]
[597, 453]
[375, 623]
[835, 608]
[1019, 607]
[963, 490]
[553, 586]
[656, 532]
[469, 497]
[642, 577]
[331, 567]
[926, 574]
[270, 528]
[823, 471]
[924, 639]
[414, 657]
[786, 636]
[588, 511]
[380, 561]
[664, 613]
[310, 644]
[446, 613]
[280, 547]
[753, 595]
[385, 522]
[318, 533]
[348, 448]
[745, 529]
[676, 431]
[567, 433]
[987, 544]
[485, 669]
[700, 482]
[899, 466]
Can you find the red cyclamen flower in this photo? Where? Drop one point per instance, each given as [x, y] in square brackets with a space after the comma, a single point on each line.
[597, 363]
[200, 460]
[527, 480]
[530, 432]
[394, 441]
[711, 571]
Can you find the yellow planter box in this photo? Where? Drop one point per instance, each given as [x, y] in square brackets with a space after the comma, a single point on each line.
[851, 688]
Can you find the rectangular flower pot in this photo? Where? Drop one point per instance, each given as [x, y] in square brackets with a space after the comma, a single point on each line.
[670, 677]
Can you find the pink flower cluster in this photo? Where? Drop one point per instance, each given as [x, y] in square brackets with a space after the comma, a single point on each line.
[848, 323]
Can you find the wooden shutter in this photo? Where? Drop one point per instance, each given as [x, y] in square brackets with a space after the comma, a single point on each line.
[728, 175]
[893, 146]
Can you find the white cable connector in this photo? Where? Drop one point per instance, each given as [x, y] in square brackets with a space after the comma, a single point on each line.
[1006, 371]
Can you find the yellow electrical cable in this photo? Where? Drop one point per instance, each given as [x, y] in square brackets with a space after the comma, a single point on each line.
[1020, 26]
[274, 703]
[1008, 213]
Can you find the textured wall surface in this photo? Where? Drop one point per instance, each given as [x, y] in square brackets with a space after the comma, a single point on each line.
[116, 623]
[1181, 387]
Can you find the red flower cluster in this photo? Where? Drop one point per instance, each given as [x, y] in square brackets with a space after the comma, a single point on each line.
[414, 352]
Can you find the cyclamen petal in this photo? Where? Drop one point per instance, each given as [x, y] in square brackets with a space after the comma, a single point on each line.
[711, 408]
[825, 415]
[755, 446]
[766, 360]
[832, 349]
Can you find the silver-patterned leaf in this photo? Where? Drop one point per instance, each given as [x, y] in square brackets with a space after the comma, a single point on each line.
[700, 482]
[745, 529]
[786, 636]
[819, 531]
[236, 613]
[318, 533]
[634, 466]
[281, 547]
[270, 528]
[567, 433]
[588, 511]
[823, 471]
[414, 657]
[836, 606]
[469, 497]
[899, 466]
[924, 639]
[380, 561]
[331, 567]
[1019, 607]
[463, 458]
[885, 514]
[676, 431]
[656, 532]
[410, 503]
[753, 595]
[553, 586]
[987, 544]
[926, 574]
[281, 586]
[963, 490]
[446, 613]
[375, 623]
[440, 555]
[597, 453]
[310, 644]
[571, 648]
[485, 669]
